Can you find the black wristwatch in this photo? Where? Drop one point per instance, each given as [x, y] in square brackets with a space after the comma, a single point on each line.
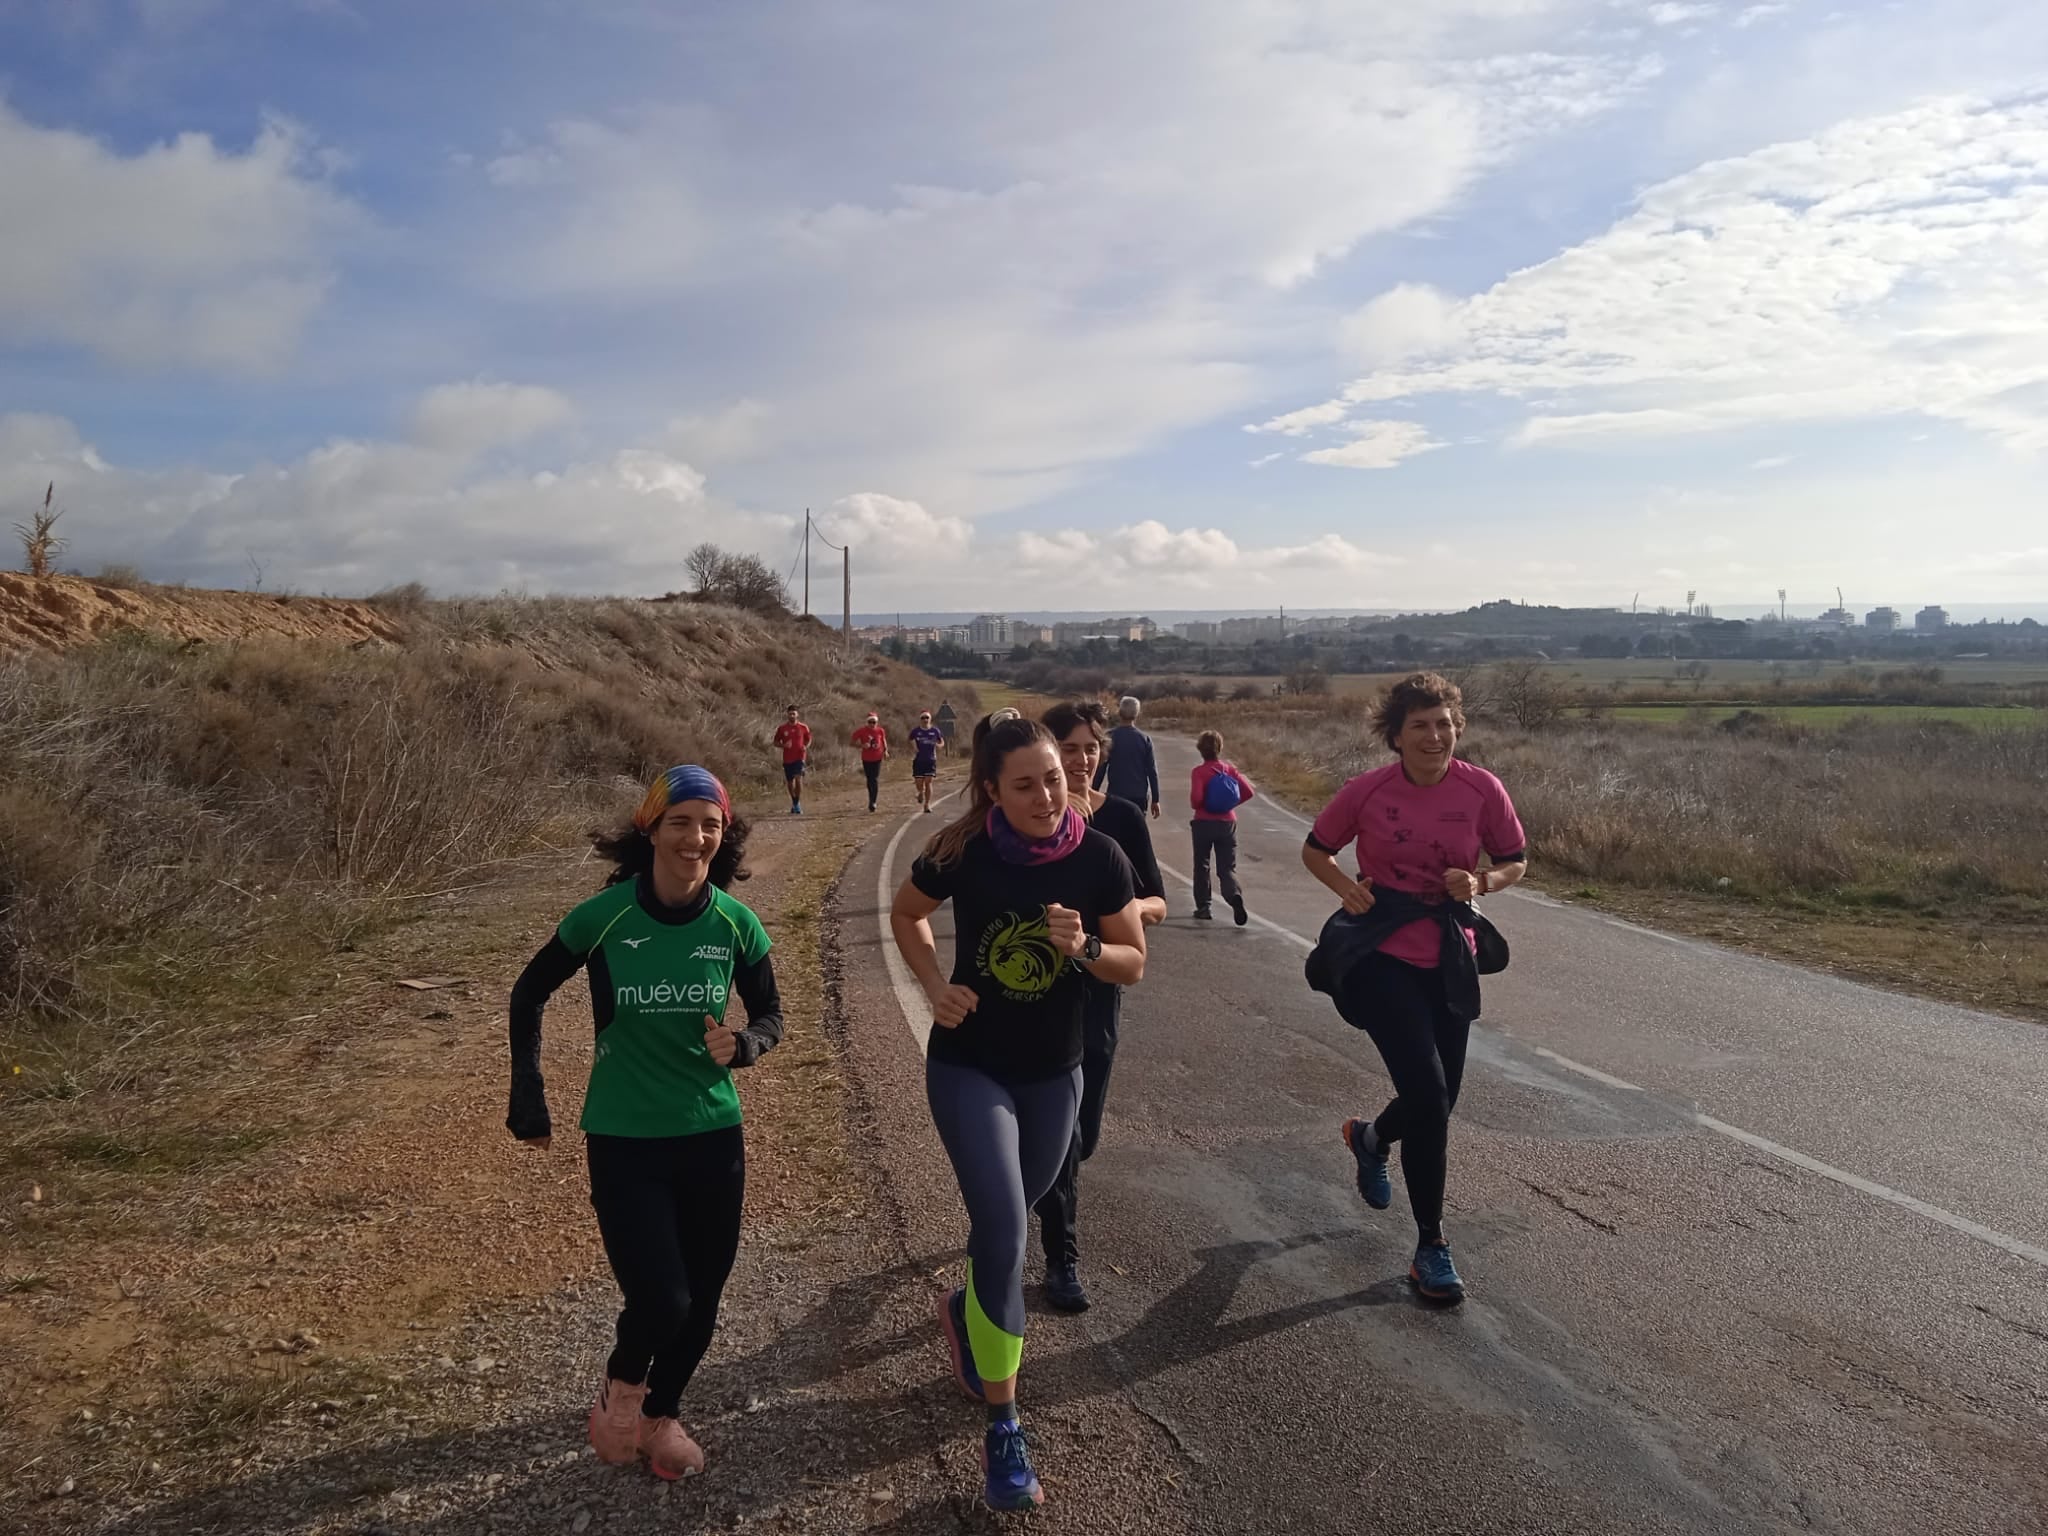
[1091, 951]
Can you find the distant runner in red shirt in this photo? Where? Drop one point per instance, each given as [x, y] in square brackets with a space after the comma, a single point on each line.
[794, 737]
[873, 742]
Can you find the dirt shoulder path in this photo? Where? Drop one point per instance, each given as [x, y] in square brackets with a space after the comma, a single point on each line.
[385, 1315]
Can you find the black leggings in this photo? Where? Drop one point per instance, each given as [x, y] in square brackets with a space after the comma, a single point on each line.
[874, 773]
[1402, 1007]
[669, 1211]
[1056, 1212]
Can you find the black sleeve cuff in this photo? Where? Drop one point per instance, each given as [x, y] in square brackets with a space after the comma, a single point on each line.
[1320, 847]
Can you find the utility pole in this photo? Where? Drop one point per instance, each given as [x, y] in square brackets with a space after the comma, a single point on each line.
[846, 594]
[807, 562]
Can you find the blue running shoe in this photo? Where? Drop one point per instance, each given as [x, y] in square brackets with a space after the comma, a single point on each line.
[1373, 1183]
[1064, 1291]
[1434, 1276]
[953, 1324]
[1007, 1461]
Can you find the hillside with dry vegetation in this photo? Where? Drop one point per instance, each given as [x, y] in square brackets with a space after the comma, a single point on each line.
[241, 1153]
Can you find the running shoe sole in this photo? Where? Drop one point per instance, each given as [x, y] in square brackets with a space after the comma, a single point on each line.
[1438, 1298]
[957, 1347]
[1238, 912]
[1359, 1158]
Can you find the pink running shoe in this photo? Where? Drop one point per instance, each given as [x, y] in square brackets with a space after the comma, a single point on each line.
[669, 1450]
[615, 1422]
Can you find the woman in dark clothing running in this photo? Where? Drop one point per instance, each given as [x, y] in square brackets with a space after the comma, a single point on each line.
[1420, 824]
[665, 946]
[1080, 730]
[1041, 903]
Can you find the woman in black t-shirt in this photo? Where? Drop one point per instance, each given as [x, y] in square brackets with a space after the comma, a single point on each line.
[1081, 730]
[1041, 903]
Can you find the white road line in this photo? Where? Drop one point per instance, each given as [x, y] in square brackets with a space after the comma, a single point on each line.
[2000, 1240]
[1961, 1224]
[917, 1013]
[1264, 922]
[1585, 1071]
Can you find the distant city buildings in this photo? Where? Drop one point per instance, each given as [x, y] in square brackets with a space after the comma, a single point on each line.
[1931, 620]
[1884, 620]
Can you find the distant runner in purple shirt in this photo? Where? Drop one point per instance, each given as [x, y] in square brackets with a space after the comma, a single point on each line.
[925, 739]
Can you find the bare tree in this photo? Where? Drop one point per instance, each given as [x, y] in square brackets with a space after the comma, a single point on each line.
[701, 565]
[747, 581]
[1525, 693]
[39, 541]
[1474, 687]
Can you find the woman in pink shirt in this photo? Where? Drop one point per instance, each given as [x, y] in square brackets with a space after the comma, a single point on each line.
[1420, 825]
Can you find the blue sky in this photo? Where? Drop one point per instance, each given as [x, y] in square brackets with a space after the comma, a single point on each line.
[1180, 303]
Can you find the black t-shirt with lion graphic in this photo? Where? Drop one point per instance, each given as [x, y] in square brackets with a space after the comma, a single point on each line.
[1027, 1026]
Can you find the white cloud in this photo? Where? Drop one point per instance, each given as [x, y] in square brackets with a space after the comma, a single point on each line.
[1672, 13]
[1772, 461]
[1264, 459]
[1750, 15]
[737, 432]
[353, 516]
[472, 418]
[1152, 558]
[183, 255]
[1376, 445]
[1407, 319]
[984, 326]
[1891, 266]
[889, 529]
[1300, 423]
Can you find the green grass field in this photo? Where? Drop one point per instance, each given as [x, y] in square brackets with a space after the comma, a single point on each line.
[1832, 716]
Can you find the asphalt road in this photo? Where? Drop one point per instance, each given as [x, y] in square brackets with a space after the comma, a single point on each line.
[1750, 1249]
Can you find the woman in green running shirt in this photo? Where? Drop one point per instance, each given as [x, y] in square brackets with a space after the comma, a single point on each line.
[665, 948]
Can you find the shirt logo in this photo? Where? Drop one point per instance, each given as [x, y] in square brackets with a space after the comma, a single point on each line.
[1017, 954]
[634, 943]
[711, 952]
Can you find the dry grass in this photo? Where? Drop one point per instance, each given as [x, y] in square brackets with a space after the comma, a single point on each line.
[183, 828]
[1914, 852]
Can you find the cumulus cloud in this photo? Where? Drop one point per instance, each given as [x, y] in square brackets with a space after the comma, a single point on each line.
[472, 418]
[1376, 445]
[182, 255]
[1187, 562]
[888, 528]
[353, 516]
[1890, 266]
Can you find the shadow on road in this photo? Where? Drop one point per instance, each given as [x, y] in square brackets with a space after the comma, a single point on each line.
[841, 1434]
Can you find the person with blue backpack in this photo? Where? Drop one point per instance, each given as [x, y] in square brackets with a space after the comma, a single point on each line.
[1216, 790]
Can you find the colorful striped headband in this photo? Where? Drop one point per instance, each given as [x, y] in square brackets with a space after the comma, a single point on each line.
[685, 781]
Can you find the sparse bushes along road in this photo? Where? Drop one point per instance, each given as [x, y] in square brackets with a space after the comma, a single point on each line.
[175, 812]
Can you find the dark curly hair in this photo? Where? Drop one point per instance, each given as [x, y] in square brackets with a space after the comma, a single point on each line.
[631, 853]
[1418, 690]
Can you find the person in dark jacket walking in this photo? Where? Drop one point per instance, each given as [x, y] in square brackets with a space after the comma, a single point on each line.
[1420, 824]
[1130, 771]
[1215, 790]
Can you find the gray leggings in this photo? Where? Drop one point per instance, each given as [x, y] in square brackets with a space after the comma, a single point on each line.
[1007, 1144]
